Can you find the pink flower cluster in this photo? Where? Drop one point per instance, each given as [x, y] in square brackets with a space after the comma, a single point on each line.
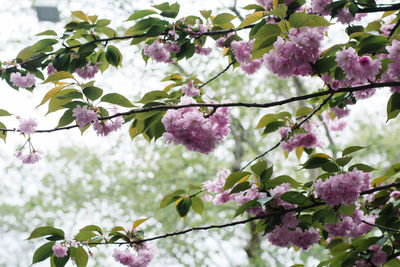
[27, 126]
[30, 158]
[145, 254]
[343, 188]
[344, 16]
[51, 69]
[277, 192]
[242, 51]
[26, 81]
[161, 52]
[88, 71]
[190, 90]
[351, 226]
[86, 116]
[358, 70]
[202, 51]
[289, 234]
[104, 128]
[268, 4]
[334, 124]
[59, 250]
[379, 257]
[189, 127]
[307, 140]
[393, 71]
[197, 29]
[295, 55]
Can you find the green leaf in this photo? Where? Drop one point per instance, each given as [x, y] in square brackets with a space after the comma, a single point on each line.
[347, 210]
[301, 19]
[343, 161]
[138, 222]
[113, 56]
[259, 167]
[315, 162]
[223, 18]
[197, 205]
[79, 255]
[4, 113]
[362, 167]
[273, 126]
[252, 18]
[393, 106]
[279, 11]
[117, 99]
[169, 11]
[281, 180]
[46, 231]
[267, 31]
[265, 120]
[394, 169]
[170, 198]
[56, 103]
[141, 13]
[44, 44]
[58, 262]
[295, 198]
[234, 177]
[80, 15]
[246, 206]
[3, 134]
[304, 111]
[184, 206]
[351, 149]
[58, 76]
[372, 44]
[48, 32]
[102, 23]
[240, 187]
[92, 92]
[206, 13]
[152, 96]
[43, 252]
[330, 167]
[66, 118]
[26, 53]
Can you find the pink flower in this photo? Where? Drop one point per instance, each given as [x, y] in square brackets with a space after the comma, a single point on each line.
[172, 47]
[189, 127]
[26, 81]
[395, 194]
[202, 51]
[157, 51]
[379, 257]
[242, 50]
[84, 115]
[125, 258]
[27, 126]
[59, 250]
[51, 69]
[30, 158]
[340, 113]
[190, 90]
[104, 128]
[341, 188]
[252, 66]
[88, 71]
[215, 186]
[318, 6]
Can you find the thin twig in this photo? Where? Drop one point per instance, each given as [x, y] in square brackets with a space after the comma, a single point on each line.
[297, 126]
[218, 74]
[219, 226]
[394, 29]
[381, 226]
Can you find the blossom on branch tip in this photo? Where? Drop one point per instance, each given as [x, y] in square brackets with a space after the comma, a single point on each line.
[88, 71]
[190, 90]
[51, 69]
[26, 81]
[59, 250]
[157, 51]
[103, 128]
[84, 115]
[202, 51]
[30, 158]
[27, 126]
[145, 253]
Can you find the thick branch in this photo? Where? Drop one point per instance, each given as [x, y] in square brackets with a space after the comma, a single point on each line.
[234, 104]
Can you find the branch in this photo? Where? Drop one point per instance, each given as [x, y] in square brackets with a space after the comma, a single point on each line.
[379, 9]
[297, 126]
[234, 104]
[218, 74]
[219, 226]
[381, 226]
